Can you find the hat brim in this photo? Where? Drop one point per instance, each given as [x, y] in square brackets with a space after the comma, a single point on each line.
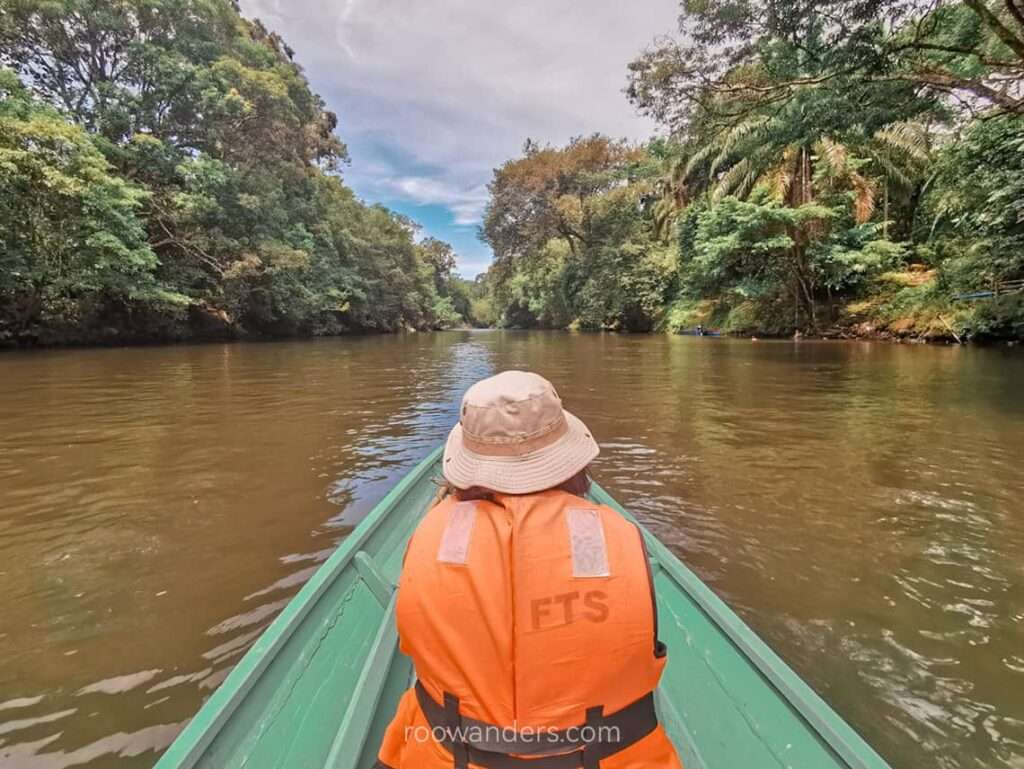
[538, 470]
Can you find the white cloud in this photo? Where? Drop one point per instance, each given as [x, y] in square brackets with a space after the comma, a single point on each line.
[466, 205]
[432, 96]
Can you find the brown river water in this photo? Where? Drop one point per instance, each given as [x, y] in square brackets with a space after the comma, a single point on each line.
[860, 505]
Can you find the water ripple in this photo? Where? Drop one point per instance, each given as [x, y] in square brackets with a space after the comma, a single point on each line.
[858, 504]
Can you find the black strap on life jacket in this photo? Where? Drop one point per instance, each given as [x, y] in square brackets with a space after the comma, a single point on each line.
[591, 752]
[453, 726]
[493, 747]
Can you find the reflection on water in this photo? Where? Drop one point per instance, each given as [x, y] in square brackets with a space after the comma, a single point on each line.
[858, 504]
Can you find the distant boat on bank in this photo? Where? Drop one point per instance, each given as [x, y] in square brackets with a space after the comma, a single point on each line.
[699, 331]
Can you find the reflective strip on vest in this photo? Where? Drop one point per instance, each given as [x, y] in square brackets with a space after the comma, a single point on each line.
[454, 547]
[589, 549]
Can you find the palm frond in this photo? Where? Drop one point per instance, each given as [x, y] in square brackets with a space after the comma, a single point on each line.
[778, 180]
[902, 180]
[696, 159]
[908, 137]
[746, 184]
[728, 143]
[733, 179]
[665, 215]
[863, 197]
[677, 170]
[834, 155]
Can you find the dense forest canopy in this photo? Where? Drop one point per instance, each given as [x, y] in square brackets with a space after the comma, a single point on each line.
[166, 171]
[841, 167]
[826, 167]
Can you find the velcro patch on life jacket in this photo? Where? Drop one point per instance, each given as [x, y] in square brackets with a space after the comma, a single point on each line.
[454, 547]
[589, 549]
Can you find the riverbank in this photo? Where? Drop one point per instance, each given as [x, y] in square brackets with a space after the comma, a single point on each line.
[904, 306]
[902, 330]
[194, 324]
[908, 306]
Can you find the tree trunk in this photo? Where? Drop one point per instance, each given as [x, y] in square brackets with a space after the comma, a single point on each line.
[806, 286]
[885, 215]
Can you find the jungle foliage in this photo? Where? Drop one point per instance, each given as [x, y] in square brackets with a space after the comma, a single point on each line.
[847, 166]
[167, 172]
[832, 167]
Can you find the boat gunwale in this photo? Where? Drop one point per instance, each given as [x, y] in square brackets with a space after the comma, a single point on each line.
[821, 717]
[816, 713]
[189, 746]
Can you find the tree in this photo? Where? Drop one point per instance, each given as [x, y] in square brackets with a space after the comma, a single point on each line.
[69, 231]
[229, 160]
[540, 195]
[971, 51]
[772, 259]
[801, 150]
[975, 206]
[572, 241]
[189, 72]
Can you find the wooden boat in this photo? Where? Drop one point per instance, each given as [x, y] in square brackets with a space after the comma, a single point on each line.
[320, 685]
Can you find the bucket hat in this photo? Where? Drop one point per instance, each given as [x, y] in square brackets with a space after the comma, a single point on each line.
[514, 437]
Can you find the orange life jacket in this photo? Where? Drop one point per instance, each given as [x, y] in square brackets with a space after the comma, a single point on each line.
[528, 619]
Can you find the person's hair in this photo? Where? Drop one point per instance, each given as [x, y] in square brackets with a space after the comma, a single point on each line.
[578, 486]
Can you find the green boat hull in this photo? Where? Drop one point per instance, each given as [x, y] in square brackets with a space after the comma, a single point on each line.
[318, 688]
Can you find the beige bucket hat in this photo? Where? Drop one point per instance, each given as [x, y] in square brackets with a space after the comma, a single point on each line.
[514, 437]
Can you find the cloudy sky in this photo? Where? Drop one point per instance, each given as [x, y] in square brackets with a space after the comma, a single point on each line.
[432, 95]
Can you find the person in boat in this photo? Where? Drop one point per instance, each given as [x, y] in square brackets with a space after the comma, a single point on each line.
[528, 611]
